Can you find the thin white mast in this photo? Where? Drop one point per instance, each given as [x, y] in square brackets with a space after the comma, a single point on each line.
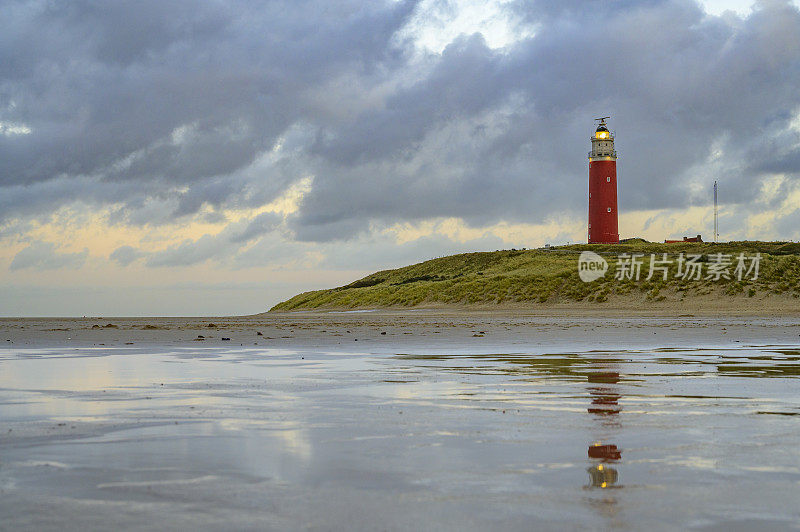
[716, 214]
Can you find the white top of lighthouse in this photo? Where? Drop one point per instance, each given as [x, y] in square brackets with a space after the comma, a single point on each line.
[602, 143]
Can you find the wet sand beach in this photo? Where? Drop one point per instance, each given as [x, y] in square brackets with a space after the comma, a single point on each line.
[400, 421]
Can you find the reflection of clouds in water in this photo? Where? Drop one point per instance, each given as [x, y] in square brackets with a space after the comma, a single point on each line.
[151, 483]
[417, 391]
[59, 373]
[275, 430]
[83, 382]
[60, 387]
[288, 434]
[67, 408]
[296, 442]
[694, 462]
[282, 438]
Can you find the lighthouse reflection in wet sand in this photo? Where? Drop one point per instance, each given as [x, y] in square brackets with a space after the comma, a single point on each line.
[603, 227]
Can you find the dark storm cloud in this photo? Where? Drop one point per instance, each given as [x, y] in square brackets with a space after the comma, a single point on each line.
[160, 108]
[171, 94]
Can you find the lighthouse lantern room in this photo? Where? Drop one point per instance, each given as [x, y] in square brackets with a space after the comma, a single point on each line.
[603, 228]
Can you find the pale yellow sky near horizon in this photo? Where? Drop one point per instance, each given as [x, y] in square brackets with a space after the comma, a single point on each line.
[277, 282]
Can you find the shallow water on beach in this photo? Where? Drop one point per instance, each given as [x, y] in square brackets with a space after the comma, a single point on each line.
[219, 437]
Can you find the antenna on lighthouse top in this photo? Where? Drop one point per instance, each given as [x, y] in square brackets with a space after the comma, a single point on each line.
[602, 119]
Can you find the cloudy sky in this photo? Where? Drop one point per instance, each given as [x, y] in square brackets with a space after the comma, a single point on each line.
[196, 158]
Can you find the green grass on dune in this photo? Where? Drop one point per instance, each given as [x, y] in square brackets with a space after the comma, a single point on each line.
[551, 276]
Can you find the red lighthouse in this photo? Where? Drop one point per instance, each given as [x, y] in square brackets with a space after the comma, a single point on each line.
[603, 187]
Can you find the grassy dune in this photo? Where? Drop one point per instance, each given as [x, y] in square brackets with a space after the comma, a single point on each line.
[542, 278]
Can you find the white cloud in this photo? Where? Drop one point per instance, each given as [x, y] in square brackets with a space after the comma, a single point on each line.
[10, 129]
[742, 8]
[437, 23]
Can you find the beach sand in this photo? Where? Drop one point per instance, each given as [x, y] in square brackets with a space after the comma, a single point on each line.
[415, 328]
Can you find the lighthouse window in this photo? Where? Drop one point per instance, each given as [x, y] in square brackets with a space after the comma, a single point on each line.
[590, 226]
[609, 209]
[608, 180]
